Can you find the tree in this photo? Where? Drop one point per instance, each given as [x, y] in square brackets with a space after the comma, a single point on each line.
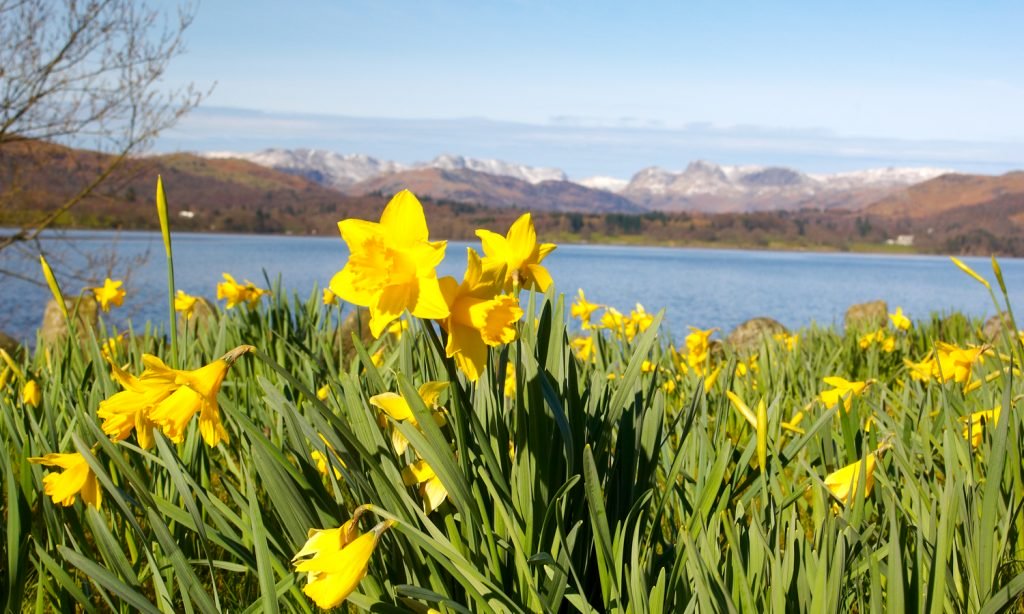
[86, 74]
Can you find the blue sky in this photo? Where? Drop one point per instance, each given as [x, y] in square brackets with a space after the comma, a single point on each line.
[610, 87]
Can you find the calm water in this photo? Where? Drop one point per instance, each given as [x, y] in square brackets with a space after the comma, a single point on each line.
[696, 287]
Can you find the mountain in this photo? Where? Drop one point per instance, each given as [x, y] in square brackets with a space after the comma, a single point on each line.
[608, 184]
[469, 186]
[327, 168]
[708, 187]
[948, 192]
[340, 171]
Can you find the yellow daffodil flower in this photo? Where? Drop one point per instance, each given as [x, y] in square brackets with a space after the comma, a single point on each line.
[519, 253]
[76, 478]
[583, 310]
[335, 561]
[955, 364]
[110, 293]
[167, 398]
[235, 293]
[899, 321]
[842, 390]
[973, 424]
[921, 371]
[30, 393]
[398, 328]
[395, 406]
[329, 297]
[842, 483]
[478, 318]
[129, 409]
[391, 265]
[648, 367]
[185, 303]
[639, 320]
[510, 381]
[788, 340]
[583, 347]
[323, 392]
[432, 491]
[322, 461]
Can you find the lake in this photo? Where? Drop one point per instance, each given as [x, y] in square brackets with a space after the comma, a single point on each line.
[699, 287]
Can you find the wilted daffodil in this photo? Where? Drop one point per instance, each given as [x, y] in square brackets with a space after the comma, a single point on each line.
[110, 293]
[478, 317]
[185, 303]
[335, 561]
[398, 408]
[391, 265]
[842, 390]
[30, 393]
[76, 478]
[431, 489]
[973, 424]
[235, 293]
[197, 392]
[519, 253]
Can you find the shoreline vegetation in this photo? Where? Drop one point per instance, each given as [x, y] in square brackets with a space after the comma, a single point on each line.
[444, 449]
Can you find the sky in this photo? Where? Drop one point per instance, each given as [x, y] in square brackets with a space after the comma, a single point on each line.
[608, 88]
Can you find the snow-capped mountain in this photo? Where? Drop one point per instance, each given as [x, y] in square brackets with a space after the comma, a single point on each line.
[705, 186]
[701, 186]
[341, 171]
[530, 174]
[608, 184]
[328, 168]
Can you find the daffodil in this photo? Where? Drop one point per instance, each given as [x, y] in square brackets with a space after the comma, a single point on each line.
[167, 398]
[30, 393]
[197, 392]
[583, 347]
[519, 253]
[899, 321]
[954, 363]
[478, 317]
[973, 424]
[842, 390]
[110, 293]
[432, 491]
[921, 371]
[329, 297]
[787, 339]
[322, 462]
[510, 381]
[397, 407]
[235, 293]
[391, 265]
[335, 561]
[185, 303]
[129, 410]
[76, 478]
[583, 310]
[843, 483]
[698, 349]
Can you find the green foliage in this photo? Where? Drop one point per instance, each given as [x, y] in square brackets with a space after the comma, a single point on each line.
[593, 486]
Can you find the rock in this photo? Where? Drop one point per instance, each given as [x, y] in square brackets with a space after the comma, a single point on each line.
[204, 315]
[865, 316]
[749, 335]
[993, 328]
[10, 345]
[358, 322]
[85, 311]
